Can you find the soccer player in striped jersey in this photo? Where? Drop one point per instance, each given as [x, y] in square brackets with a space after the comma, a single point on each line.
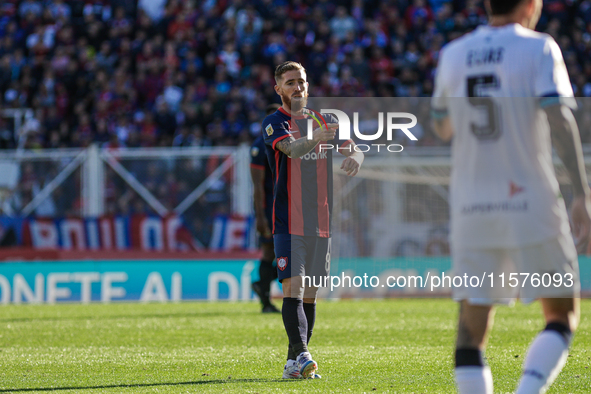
[503, 91]
[302, 176]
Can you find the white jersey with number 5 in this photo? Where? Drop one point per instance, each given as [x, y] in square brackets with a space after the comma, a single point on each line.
[493, 84]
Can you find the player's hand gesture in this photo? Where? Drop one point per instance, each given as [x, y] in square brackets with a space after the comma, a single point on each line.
[350, 166]
[326, 134]
[581, 222]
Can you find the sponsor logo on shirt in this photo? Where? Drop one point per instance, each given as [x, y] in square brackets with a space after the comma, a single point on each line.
[515, 189]
[315, 156]
[495, 207]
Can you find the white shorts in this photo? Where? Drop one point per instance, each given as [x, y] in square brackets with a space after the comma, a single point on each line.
[553, 262]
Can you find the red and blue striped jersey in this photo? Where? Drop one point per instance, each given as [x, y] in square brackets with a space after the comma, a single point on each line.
[302, 188]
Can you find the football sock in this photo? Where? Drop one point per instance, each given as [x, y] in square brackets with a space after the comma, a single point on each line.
[291, 355]
[296, 325]
[266, 277]
[310, 311]
[472, 376]
[545, 358]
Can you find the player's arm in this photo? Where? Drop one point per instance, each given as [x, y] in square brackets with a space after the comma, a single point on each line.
[353, 161]
[440, 121]
[567, 143]
[442, 128]
[258, 180]
[298, 148]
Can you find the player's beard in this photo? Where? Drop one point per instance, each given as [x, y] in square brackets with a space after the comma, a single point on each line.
[295, 104]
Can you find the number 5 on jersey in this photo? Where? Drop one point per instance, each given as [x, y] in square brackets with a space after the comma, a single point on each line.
[476, 85]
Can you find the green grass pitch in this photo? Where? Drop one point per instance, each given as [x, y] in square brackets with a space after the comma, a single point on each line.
[394, 346]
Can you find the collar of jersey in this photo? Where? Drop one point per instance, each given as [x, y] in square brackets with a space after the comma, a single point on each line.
[290, 115]
[507, 26]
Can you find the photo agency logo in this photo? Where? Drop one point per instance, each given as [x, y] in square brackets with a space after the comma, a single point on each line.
[394, 121]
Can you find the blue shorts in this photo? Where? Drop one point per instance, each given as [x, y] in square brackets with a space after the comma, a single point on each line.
[302, 256]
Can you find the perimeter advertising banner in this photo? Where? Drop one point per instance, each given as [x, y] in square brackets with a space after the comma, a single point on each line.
[107, 281]
[132, 232]
[178, 280]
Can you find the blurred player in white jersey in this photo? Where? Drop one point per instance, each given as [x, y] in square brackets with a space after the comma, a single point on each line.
[504, 93]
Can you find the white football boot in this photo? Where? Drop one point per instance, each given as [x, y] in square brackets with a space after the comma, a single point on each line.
[292, 371]
[307, 366]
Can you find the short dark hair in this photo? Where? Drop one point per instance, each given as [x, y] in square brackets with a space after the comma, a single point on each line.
[503, 7]
[285, 67]
[271, 108]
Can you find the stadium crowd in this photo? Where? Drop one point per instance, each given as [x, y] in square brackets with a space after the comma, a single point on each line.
[200, 73]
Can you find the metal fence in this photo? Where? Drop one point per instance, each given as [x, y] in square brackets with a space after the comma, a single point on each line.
[195, 183]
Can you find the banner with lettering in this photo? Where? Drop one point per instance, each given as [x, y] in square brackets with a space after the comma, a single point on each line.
[134, 232]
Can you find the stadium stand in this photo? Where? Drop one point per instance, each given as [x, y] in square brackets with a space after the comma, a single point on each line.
[198, 73]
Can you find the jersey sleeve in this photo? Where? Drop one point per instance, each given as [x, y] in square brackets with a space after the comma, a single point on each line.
[342, 143]
[552, 83]
[439, 99]
[274, 131]
[258, 155]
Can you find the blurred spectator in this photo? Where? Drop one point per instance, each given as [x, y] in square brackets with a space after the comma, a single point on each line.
[342, 24]
[60, 10]
[172, 94]
[30, 7]
[153, 8]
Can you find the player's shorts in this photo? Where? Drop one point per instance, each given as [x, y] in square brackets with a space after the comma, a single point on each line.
[269, 217]
[302, 256]
[554, 262]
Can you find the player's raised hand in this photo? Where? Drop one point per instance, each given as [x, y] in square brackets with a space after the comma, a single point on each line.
[350, 166]
[326, 134]
[581, 222]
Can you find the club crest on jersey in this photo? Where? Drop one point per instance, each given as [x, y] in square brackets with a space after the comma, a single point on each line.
[254, 151]
[282, 263]
[269, 130]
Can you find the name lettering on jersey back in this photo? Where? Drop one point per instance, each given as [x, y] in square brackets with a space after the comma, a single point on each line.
[482, 57]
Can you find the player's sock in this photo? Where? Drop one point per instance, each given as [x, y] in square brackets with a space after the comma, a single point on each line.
[474, 380]
[545, 358]
[291, 354]
[310, 311]
[266, 277]
[296, 325]
[472, 376]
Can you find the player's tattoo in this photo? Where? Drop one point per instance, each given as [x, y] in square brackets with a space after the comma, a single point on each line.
[296, 148]
[566, 141]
